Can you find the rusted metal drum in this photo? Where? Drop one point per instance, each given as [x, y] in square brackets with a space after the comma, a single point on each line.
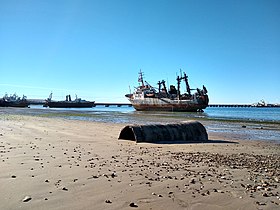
[191, 131]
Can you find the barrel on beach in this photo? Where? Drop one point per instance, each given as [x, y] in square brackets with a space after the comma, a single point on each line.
[192, 131]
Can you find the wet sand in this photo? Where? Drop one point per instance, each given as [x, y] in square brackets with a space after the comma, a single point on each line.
[51, 163]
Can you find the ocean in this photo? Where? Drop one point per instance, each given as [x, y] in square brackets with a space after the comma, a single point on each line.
[127, 114]
[260, 123]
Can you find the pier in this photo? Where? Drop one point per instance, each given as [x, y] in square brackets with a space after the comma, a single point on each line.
[108, 104]
[112, 104]
[243, 105]
[210, 105]
[230, 105]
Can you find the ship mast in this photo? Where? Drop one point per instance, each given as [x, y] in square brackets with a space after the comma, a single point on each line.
[185, 77]
[50, 97]
[178, 87]
[164, 86]
[187, 83]
[140, 78]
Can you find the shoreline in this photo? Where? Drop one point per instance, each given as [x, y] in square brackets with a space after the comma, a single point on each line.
[88, 113]
[55, 163]
[244, 129]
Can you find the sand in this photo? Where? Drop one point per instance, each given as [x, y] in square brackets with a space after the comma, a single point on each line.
[49, 163]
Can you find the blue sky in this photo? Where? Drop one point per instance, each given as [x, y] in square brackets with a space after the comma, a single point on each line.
[95, 48]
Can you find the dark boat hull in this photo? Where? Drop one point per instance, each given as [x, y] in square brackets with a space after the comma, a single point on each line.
[20, 104]
[70, 104]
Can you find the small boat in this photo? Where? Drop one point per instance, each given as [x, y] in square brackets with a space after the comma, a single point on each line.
[68, 103]
[13, 101]
[147, 98]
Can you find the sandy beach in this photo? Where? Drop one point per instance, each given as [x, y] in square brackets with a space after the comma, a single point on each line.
[49, 163]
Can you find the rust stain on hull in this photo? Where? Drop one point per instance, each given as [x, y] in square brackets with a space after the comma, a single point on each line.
[177, 108]
[155, 104]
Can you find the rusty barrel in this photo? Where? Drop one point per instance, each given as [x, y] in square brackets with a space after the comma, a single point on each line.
[191, 131]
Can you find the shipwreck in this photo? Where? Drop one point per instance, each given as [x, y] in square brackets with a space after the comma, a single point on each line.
[148, 98]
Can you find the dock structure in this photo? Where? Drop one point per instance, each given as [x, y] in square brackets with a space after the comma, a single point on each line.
[112, 104]
[116, 104]
[210, 105]
[230, 105]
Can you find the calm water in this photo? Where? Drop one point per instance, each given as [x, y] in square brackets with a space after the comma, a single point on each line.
[217, 117]
[252, 113]
[247, 114]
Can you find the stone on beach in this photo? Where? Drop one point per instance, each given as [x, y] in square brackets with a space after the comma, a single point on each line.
[26, 199]
[156, 176]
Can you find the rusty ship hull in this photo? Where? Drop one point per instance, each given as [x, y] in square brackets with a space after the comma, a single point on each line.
[165, 104]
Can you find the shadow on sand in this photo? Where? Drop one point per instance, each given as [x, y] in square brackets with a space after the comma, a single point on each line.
[194, 142]
[187, 142]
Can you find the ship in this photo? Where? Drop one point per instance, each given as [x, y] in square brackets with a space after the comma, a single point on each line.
[148, 98]
[14, 101]
[68, 103]
[262, 103]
